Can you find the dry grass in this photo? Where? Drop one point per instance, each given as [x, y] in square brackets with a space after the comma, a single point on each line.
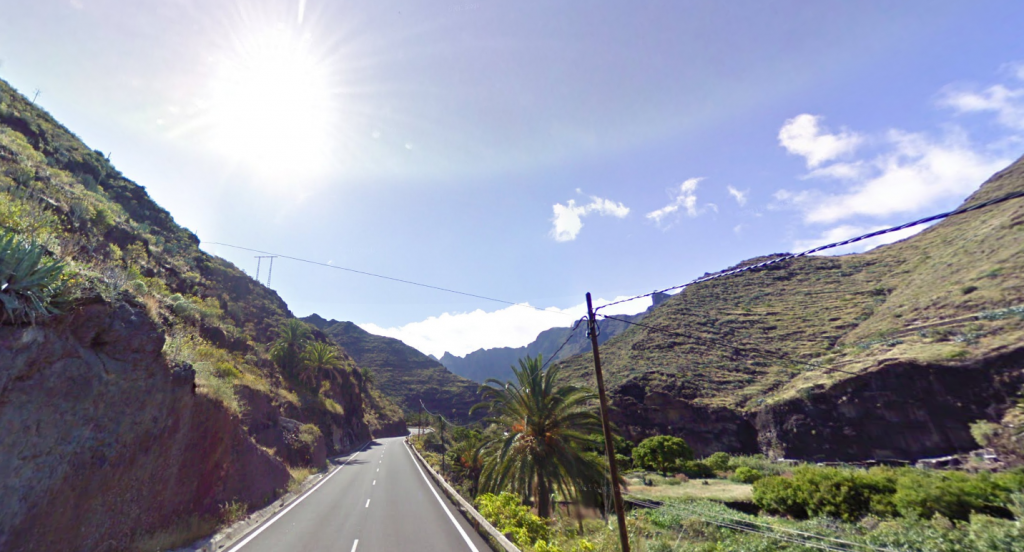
[721, 490]
[184, 532]
[299, 476]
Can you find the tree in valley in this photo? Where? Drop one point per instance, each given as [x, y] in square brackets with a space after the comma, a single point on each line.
[541, 431]
[661, 453]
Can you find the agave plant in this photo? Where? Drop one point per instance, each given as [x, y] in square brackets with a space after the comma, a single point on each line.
[31, 285]
[542, 432]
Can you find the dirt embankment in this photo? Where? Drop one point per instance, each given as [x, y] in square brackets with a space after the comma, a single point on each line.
[102, 442]
[899, 410]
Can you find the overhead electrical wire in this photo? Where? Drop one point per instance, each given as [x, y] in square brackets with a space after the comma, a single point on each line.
[400, 280]
[819, 249]
[564, 343]
[739, 348]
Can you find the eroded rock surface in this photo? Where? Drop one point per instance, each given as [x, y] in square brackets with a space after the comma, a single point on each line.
[102, 442]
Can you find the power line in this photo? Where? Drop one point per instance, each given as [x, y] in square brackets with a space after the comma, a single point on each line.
[410, 282]
[721, 343]
[439, 415]
[870, 235]
[567, 338]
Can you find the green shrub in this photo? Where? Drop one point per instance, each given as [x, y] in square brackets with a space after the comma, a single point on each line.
[718, 461]
[832, 492]
[662, 453]
[138, 287]
[954, 495]
[781, 496]
[695, 469]
[746, 475]
[227, 370]
[31, 284]
[510, 517]
[309, 434]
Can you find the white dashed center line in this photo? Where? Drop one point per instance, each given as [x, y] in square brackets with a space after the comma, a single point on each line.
[367, 502]
[354, 545]
[374, 481]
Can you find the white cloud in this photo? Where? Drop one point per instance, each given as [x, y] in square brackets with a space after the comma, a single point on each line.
[847, 231]
[513, 326]
[686, 199]
[568, 222]
[741, 197]
[802, 135]
[1007, 103]
[915, 173]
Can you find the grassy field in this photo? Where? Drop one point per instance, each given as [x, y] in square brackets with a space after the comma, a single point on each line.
[721, 490]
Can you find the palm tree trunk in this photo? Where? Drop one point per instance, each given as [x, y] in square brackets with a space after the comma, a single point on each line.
[543, 497]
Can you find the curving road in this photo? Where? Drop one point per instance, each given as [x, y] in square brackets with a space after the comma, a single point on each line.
[379, 500]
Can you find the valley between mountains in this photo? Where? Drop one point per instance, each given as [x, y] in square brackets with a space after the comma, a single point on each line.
[160, 362]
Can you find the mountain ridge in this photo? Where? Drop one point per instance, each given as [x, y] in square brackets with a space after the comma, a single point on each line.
[484, 364]
[403, 373]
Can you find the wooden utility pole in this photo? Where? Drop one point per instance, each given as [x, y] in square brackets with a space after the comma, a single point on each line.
[609, 445]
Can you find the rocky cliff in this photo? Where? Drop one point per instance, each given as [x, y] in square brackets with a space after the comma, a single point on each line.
[104, 443]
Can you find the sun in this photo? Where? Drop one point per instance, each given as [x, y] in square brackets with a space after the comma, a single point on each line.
[273, 102]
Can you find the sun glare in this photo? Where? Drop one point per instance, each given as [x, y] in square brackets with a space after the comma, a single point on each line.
[273, 104]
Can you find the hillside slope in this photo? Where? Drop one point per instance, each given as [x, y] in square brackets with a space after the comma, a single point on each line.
[402, 373]
[157, 366]
[483, 364]
[894, 351]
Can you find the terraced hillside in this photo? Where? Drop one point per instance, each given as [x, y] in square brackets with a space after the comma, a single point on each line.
[888, 353]
[402, 373]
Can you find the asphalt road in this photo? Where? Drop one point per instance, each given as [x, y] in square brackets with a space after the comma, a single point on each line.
[379, 500]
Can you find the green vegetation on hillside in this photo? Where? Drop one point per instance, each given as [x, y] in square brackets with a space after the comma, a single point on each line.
[853, 312]
[401, 373]
[73, 229]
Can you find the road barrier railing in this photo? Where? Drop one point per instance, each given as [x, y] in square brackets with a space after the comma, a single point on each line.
[498, 541]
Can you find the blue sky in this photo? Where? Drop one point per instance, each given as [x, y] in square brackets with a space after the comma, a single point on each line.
[531, 151]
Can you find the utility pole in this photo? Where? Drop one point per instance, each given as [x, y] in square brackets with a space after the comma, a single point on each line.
[419, 423]
[609, 445]
[259, 259]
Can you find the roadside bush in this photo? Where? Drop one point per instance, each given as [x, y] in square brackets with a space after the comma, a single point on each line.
[512, 518]
[746, 475]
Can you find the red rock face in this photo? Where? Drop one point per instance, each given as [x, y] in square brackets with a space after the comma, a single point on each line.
[102, 442]
[900, 410]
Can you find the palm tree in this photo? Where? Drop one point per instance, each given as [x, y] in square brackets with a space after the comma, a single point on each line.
[542, 431]
[317, 358]
[286, 351]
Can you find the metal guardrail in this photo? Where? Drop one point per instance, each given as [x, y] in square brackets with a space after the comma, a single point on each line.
[498, 541]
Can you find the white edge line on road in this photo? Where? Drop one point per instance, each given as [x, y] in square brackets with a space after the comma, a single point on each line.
[297, 501]
[354, 545]
[465, 537]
